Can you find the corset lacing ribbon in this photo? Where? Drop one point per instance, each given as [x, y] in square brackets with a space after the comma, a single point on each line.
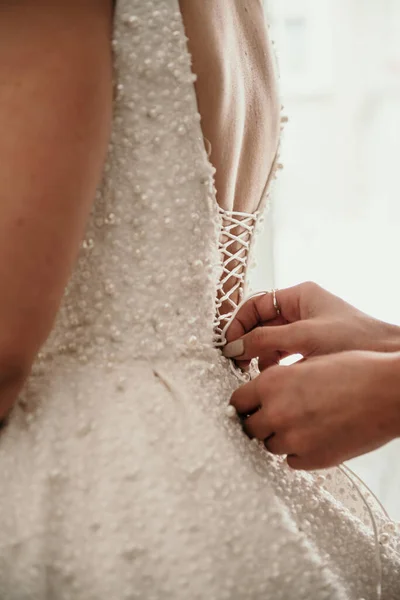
[234, 245]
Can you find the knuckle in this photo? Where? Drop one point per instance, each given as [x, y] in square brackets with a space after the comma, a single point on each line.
[303, 462]
[277, 384]
[305, 335]
[257, 338]
[275, 378]
[265, 386]
[294, 442]
[310, 286]
[271, 389]
[235, 398]
[295, 462]
[306, 465]
[322, 457]
[276, 416]
[270, 359]
[297, 329]
[311, 292]
[300, 442]
[261, 389]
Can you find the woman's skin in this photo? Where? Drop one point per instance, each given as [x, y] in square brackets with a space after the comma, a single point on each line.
[341, 400]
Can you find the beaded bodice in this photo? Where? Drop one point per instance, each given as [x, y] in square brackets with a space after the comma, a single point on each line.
[148, 272]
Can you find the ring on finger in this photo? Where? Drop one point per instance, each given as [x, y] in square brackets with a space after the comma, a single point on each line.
[276, 303]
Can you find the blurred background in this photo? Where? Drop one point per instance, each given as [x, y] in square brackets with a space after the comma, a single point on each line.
[335, 217]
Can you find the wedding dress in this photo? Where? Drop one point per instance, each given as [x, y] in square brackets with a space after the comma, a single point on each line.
[124, 476]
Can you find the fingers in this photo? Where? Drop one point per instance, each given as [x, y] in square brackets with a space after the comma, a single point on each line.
[260, 309]
[314, 455]
[298, 412]
[246, 399]
[296, 303]
[258, 421]
[277, 444]
[269, 343]
[267, 415]
[307, 463]
[269, 360]
[260, 427]
[256, 311]
[257, 425]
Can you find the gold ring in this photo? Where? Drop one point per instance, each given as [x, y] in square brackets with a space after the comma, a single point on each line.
[275, 301]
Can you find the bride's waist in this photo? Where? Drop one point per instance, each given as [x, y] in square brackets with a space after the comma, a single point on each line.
[149, 339]
[125, 349]
[197, 368]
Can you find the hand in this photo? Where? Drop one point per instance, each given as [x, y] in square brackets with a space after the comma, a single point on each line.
[326, 410]
[313, 322]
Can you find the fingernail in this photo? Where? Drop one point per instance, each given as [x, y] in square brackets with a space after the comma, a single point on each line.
[234, 349]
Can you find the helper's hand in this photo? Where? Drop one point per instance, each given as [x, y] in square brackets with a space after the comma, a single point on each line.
[313, 322]
[325, 410]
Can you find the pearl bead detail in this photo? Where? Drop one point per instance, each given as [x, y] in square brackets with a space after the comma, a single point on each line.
[230, 411]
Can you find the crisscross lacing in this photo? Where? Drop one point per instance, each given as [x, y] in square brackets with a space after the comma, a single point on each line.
[234, 244]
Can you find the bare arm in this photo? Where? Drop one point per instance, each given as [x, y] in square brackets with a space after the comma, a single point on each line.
[55, 114]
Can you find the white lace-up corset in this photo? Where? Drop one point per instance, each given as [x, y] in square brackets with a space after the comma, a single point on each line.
[234, 245]
[237, 236]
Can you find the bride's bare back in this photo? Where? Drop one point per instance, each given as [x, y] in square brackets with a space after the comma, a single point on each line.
[236, 94]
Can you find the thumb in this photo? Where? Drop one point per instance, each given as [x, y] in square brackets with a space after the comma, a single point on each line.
[261, 341]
